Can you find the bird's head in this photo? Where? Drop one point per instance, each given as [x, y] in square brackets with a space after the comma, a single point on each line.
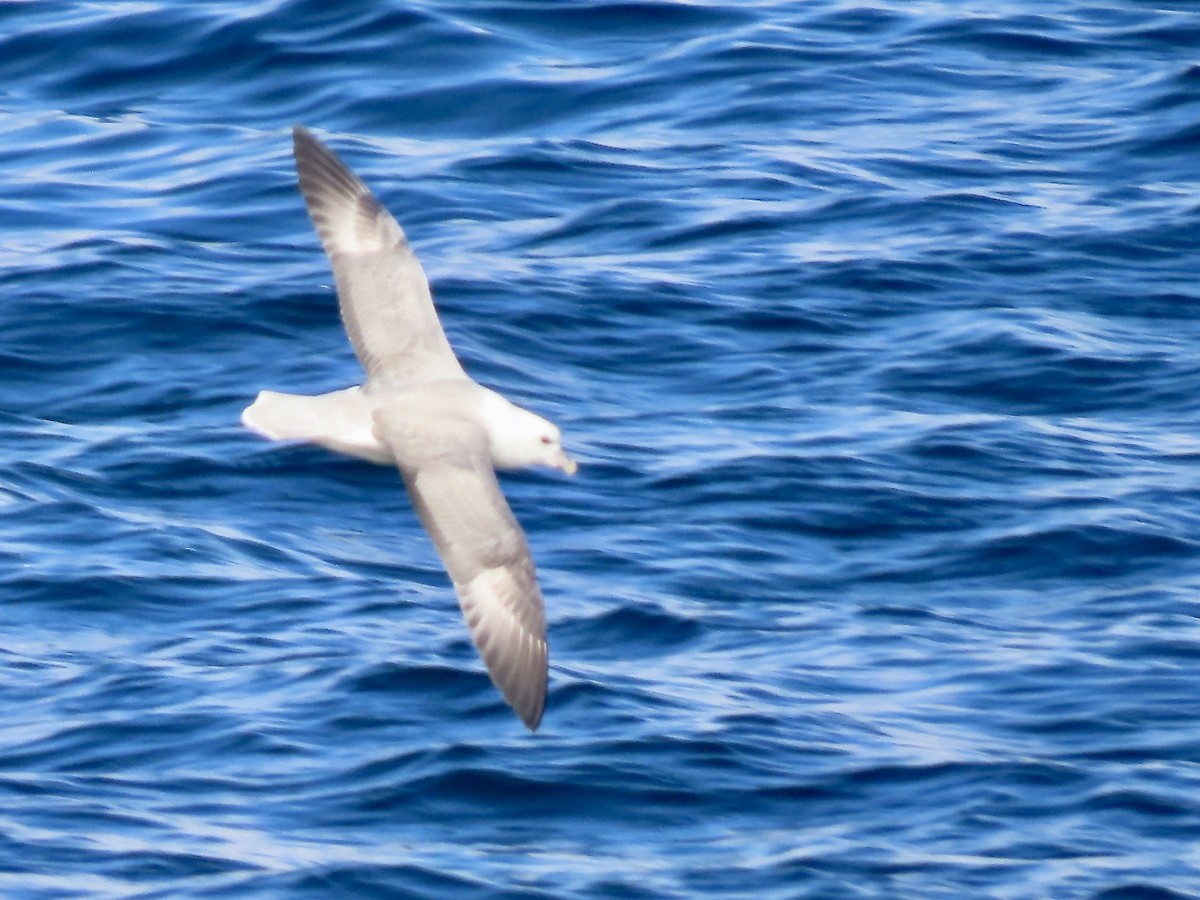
[520, 439]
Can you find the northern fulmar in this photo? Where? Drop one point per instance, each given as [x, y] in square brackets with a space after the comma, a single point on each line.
[418, 410]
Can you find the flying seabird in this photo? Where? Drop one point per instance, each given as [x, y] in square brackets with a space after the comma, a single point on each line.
[418, 410]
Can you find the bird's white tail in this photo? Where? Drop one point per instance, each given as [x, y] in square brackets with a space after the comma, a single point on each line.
[341, 421]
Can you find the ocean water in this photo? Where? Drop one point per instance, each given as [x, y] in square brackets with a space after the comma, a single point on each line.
[875, 327]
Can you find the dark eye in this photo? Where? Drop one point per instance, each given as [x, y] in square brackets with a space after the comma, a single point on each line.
[546, 439]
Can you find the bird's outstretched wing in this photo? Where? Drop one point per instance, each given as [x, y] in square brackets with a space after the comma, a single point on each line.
[382, 289]
[449, 475]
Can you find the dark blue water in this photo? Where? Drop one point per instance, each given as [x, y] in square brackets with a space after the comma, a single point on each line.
[875, 328]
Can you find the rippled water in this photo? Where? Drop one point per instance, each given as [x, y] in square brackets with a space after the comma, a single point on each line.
[874, 327]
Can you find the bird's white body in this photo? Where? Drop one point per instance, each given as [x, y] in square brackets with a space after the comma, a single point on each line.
[344, 422]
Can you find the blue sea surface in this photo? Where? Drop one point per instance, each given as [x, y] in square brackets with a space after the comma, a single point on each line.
[875, 328]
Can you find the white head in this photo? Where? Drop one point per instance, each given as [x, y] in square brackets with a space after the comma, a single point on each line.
[518, 438]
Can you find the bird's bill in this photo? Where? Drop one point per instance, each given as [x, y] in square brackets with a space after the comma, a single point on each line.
[564, 462]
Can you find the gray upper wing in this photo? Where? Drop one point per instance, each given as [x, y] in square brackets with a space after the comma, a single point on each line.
[382, 289]
[449, 475]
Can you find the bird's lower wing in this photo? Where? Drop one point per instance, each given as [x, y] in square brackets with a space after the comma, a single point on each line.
[449, 475]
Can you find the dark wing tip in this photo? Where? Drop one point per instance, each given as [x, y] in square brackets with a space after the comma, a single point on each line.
[527, 696]
[516, 660]
[521, 677]
[320, 169]
[307, 146]
[531, 714]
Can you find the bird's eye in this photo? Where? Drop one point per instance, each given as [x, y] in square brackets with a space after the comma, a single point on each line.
[546, 439]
